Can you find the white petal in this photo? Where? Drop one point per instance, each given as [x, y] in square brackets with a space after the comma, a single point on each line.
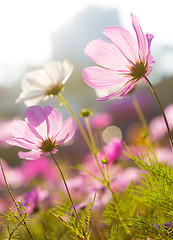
[68, 68]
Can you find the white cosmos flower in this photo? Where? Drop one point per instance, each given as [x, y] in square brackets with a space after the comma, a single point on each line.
[39, 84]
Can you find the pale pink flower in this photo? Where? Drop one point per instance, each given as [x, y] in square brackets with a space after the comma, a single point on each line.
[30, 200]
[41, 167]
[11, 174]
[124, 61]
[157, 128]
[5, 132]
[39, 84]
[157, 125]
[41, 132]
[101, 120]
[123, 179]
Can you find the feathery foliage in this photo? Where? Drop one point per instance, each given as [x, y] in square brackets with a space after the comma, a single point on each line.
[79, 226]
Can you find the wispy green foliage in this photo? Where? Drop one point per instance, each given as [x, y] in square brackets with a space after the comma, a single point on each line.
[117, 212]
[114, 233]
[149, 225]
[13, 220]
[79, 226]
[157, 181]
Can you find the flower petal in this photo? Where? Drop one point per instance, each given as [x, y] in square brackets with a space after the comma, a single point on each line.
[106, 55]
[101, 78]
[37, 79]
[54, 121]
[58, 72]
[23, 143]
[31, 155]
[29, 95]
[20, 130]
[142, 40]
[68, 68]
[36, 119]
[123, 40]
[35, 101]
[122, 91]
[67, 131]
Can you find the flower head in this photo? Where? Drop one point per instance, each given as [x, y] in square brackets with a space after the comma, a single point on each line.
[125, 60]
[39, 84]
[41, 132]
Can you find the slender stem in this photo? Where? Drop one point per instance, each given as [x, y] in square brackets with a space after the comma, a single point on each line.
[107, 183]
[12, 197]
[8, 188]
[90, 133]
[143, 121]
[161, 108]
[77, 121]
[83, 133]
[107, 173]
[140, 113]
[65, 184]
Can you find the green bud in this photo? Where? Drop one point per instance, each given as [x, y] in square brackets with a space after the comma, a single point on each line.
[104, 161]
[144, 134]
[85, 112]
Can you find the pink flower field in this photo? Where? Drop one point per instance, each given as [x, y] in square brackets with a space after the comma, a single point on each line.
[100, 173]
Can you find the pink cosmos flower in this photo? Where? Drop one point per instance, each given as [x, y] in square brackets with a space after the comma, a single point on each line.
[31, 199]
[41, 132]
[112, 151]
[124, 61]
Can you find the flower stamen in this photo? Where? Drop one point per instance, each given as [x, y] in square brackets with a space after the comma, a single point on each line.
[47, 145]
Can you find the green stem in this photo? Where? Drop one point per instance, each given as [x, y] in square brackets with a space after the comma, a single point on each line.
[161, 108]
[140, 113]
[90, 133]
[83, 133]
[12, 197]
[77, 121]
[68, 192]
[143, 121]
[107, 183]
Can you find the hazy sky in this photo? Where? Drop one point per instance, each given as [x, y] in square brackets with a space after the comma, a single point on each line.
[22, 20]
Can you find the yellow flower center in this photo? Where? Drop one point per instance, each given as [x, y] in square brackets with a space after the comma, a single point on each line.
[138, 70]
[54, 90]
[47, 145]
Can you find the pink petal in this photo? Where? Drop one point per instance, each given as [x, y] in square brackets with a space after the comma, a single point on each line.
[23, 143]
[123, 40]
[100, 78]
[106, 55]
[35, 116]
[31, 155]
[67, 131]
[123, 90]
[54, 121]
[142, 40]
[149, 39]
[20, 130]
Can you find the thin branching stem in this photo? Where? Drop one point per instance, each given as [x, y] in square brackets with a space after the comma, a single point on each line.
[161, 108]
